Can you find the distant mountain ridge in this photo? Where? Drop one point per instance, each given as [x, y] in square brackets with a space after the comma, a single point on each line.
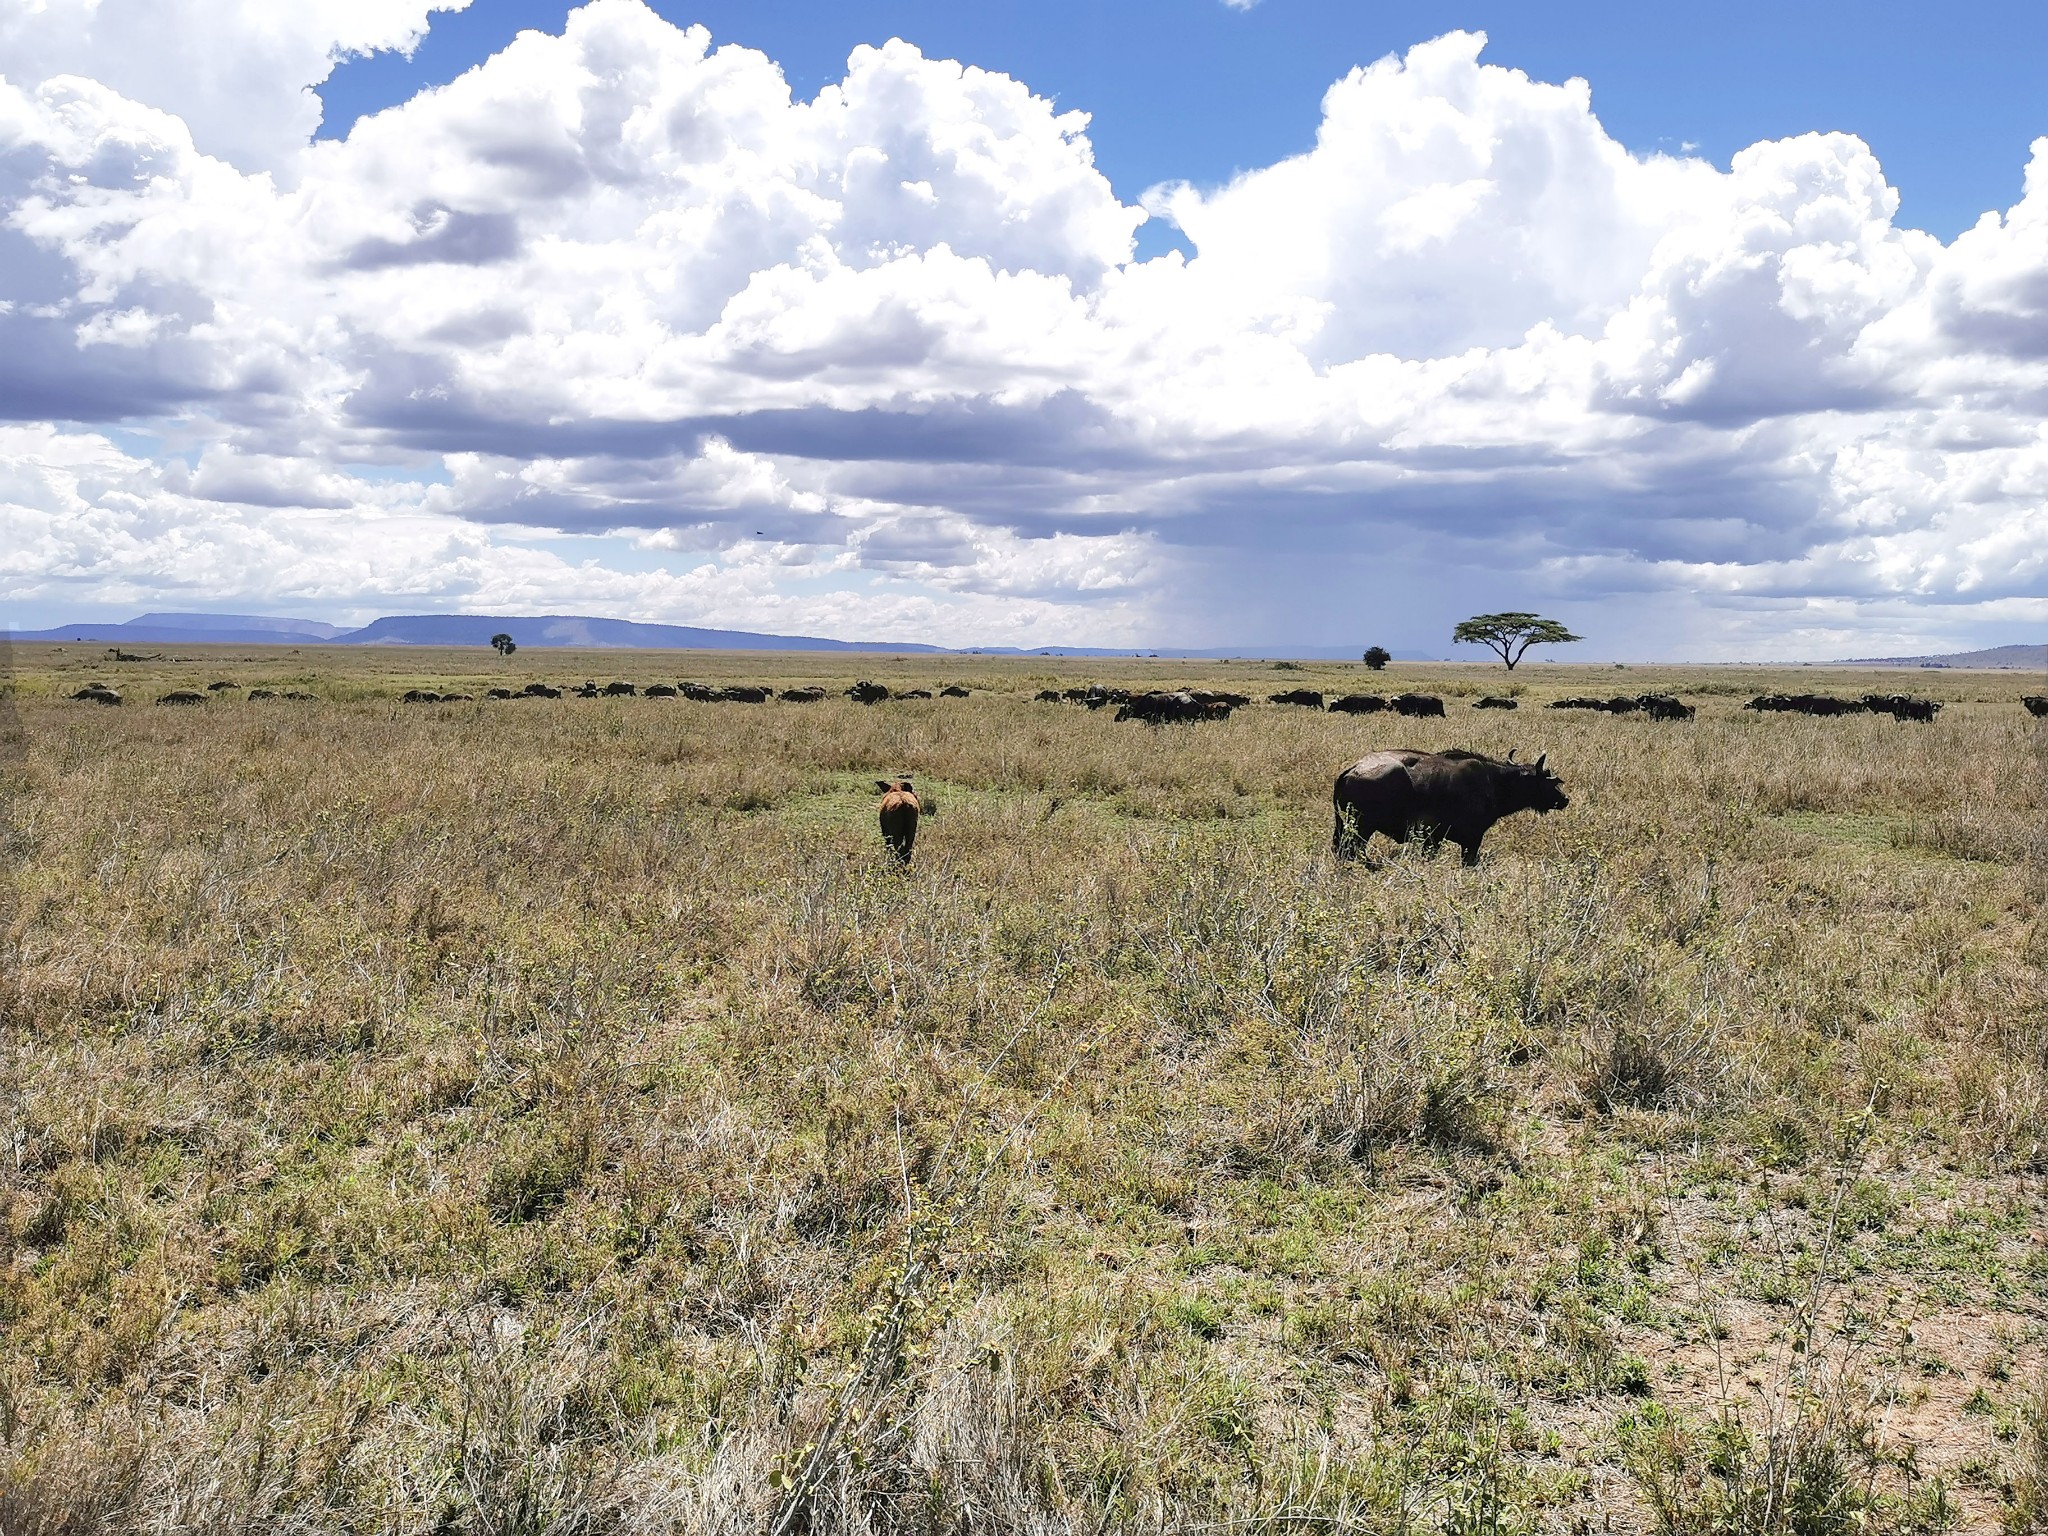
[553, 631]
[2032, 658]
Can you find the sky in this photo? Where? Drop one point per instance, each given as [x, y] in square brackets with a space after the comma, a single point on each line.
[1717, 333]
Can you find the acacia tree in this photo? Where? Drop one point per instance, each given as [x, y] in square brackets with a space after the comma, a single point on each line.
[504, 644]
[1509, 635]
[1377, 657]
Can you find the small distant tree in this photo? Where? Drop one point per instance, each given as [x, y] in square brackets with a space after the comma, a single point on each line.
[1377, 657]
[504, 645]
[1509, 635]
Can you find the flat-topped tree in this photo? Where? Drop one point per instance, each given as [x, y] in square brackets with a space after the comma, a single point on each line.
[1509, 635]
[1376, 657]
[504, 644]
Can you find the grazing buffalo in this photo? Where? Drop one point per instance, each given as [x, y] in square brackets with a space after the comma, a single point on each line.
[915, 693]
[302, 697]
[540, 691]
[899, 816]
[419, 696]
[1046, 696]
[619, 690]
[1170, 708]
[1804, 704]
[1359, 704]
[181, 696]
[1490, 702]
[1435, 797]
[1307, 698]
[659, 690]
[1901, 706]
[262, 693]
[1417, 704]
[1658, 706]
[1662, 706]
[97, 693]
[2036, 704]
[221, 687]
[803, 695]
[865, 692]
[494, 693]
[953, 691]
[745, 693]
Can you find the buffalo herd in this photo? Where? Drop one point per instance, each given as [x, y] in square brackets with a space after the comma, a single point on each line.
[1897, 705]
[1657, 706]
[1157, 707]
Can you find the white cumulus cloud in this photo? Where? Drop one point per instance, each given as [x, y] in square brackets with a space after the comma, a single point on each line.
[886, 356]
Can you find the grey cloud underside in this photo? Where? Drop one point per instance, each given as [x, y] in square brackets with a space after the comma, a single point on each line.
[444, 236]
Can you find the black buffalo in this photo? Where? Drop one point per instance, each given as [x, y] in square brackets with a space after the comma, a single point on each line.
[1170, 708]
[1804, 704]
[1495, 703]
[495, 693]
[181, 696]
[1359, 704]
[1308, 698]
[97, 693]
[417, 696]
[1662, 706]
[1046, 696]
[1417, 704]
[540, 691]
[1435, 797]
[1902, 706]
[803, 695]
[2036, 704]
[953, 691]
[661, 690]
[865, 692]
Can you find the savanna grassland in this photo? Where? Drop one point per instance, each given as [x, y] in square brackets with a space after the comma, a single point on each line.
[561, 1116]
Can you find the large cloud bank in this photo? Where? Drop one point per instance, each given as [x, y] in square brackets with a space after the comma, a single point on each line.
[612, 322]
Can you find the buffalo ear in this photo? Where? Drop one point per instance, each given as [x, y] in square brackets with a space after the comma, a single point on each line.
[884, 786]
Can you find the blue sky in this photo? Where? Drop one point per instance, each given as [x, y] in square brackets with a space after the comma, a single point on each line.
[1949, 96]
[1716, 332]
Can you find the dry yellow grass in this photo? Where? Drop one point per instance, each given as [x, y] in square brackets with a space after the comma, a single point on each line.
[551, 1116]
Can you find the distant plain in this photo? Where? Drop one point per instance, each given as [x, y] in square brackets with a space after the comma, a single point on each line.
[561, 1115]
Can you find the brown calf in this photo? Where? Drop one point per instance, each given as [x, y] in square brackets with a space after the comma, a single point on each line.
[900, 812]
